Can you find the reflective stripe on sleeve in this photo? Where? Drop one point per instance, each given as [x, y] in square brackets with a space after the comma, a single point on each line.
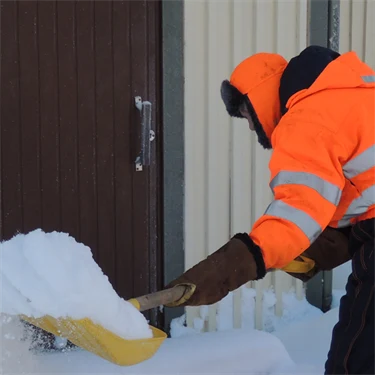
[327, 190]
[359, 206]
[361, 163]
[368, 79]
[301, 219]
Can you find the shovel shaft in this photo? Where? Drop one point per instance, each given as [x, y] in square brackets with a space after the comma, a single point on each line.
[160, 298]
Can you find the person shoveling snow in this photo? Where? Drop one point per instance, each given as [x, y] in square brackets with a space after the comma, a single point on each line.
[317, 113]
[51, 274]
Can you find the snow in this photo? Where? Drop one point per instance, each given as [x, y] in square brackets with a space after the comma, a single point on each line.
[340, 275]
[208, 353]
[308, 342]
[52, 274]
[16, 358]
[294, 310]
[295, 343]
[337, 294]
[299, 348]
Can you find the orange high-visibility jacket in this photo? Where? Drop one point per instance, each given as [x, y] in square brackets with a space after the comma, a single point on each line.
[323, 161]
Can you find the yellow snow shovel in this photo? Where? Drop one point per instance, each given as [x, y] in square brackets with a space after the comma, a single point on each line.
[104, 343]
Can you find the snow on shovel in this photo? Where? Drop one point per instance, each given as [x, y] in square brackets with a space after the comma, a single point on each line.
[106, 344]
[52, 281]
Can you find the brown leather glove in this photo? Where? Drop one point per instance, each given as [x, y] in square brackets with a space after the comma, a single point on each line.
[240, 261]
[328, 251]
[233, 265]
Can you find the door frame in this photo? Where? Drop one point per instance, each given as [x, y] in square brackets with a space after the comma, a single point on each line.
[173, 250]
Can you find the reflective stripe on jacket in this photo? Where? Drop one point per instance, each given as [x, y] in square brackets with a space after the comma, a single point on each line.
[323, 163]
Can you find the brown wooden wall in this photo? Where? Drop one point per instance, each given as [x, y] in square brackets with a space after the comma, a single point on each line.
[69, 74]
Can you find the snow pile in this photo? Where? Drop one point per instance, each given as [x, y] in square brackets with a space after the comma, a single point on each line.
[308, 341]
[294, 310]
[52, 274]
[231, 352]
[298, 349]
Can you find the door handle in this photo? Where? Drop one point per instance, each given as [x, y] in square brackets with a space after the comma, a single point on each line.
[147, 134]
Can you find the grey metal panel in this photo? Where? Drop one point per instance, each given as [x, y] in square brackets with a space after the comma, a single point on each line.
[324, 31]
[318, 30]
[173, 131]
[324, 20]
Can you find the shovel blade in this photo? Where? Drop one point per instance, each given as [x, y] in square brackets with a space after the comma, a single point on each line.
[100, 341]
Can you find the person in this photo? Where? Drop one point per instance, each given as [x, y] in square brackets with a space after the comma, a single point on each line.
[317, 114]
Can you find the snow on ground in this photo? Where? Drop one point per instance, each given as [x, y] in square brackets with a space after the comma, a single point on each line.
[16, 358]
[294, 310]
[340, 275]
[297, 349]
[210, 353]
[336, 297]
[296, 343]
[308, 342]
[51, 274]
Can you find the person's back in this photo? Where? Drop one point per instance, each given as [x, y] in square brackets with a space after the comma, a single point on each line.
[322, 175]
[340, 107]
[317, 114]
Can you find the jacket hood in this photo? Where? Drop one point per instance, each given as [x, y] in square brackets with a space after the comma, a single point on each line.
[269, 86]
[346, 71]
[255, 82]
[303, 70]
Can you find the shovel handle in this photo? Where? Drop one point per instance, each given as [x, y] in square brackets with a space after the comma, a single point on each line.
[160, 298]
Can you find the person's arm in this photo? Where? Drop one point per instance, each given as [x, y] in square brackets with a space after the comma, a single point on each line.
[307, 182]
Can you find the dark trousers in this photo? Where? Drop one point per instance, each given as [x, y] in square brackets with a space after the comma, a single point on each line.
[352, 346]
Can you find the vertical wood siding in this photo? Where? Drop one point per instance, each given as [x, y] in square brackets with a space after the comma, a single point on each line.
[357, 29]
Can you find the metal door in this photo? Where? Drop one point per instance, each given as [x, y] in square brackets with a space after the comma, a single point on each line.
[71, 131]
